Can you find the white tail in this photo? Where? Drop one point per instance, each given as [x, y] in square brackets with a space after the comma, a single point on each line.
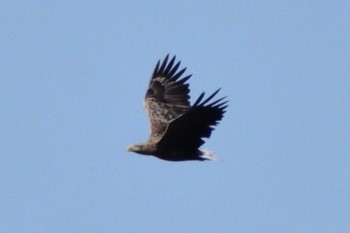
[208, 154]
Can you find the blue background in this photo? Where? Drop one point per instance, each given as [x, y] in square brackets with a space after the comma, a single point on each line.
[73, 75]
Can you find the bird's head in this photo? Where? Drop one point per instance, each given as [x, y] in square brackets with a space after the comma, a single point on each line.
[139, 148]
[135, 148]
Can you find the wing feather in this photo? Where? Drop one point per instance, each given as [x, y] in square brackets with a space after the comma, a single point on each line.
[198, 122]
[167, 96]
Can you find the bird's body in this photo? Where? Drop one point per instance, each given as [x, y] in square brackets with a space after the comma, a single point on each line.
[177, 128]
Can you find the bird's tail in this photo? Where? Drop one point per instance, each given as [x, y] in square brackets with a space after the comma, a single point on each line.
[208, 155]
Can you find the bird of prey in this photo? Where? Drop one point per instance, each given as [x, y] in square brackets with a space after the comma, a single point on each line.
[177, 128]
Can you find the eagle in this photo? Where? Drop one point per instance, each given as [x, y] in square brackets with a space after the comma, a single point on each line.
[177, 128]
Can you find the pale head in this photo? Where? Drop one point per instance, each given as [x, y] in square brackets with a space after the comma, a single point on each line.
[139, 148]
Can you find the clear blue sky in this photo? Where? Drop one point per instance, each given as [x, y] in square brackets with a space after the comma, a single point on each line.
[73, 75]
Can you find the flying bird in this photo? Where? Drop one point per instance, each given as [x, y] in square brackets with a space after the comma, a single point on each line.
[177, 128]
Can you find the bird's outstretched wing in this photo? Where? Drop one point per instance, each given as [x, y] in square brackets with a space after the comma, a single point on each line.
[187, 130]
[167, 96]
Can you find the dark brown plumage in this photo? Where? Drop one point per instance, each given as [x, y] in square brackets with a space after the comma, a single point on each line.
[177, 128]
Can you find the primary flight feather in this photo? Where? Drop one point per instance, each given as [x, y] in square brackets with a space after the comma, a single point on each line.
[177, 128]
